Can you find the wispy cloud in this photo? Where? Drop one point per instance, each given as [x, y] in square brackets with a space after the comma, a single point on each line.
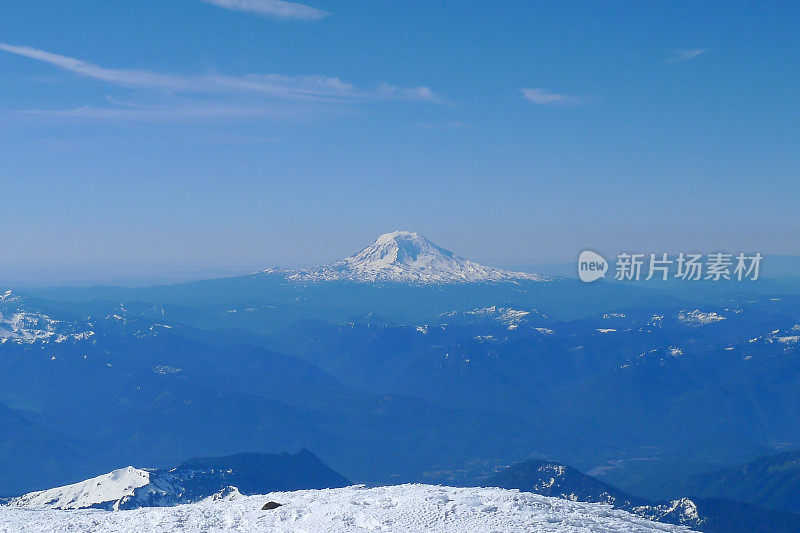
[543, 97]
[686, 54]
[421, 94]
[161, 113]
[273, 8]
[264, 91]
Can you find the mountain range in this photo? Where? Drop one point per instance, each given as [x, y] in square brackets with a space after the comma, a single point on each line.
[641, 388]
[770, 481]
[223, 479]
[549, 478]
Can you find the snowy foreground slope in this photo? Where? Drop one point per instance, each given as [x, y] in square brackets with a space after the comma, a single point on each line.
[402, 508]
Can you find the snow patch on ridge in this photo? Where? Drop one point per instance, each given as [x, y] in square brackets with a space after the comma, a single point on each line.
[699, 318]
[682, 511]
[25, 327]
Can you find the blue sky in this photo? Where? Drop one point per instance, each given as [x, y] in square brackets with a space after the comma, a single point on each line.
[151, 137]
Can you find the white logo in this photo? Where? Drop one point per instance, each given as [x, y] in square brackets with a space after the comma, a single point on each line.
[591, 266]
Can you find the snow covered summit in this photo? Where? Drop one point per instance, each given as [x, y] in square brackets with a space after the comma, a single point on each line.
[407, 257]
[112, 489]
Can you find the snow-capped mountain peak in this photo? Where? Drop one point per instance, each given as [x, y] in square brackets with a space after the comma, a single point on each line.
[399, 246]
[407, 257]
[112, 487]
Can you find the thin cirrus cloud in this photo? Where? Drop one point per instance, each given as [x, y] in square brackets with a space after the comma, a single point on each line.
[184, 111]
[272, 8]
[543, 97]
[686, 54]
[266, 92]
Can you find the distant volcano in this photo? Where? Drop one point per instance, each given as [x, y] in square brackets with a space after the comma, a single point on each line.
[406, 257]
